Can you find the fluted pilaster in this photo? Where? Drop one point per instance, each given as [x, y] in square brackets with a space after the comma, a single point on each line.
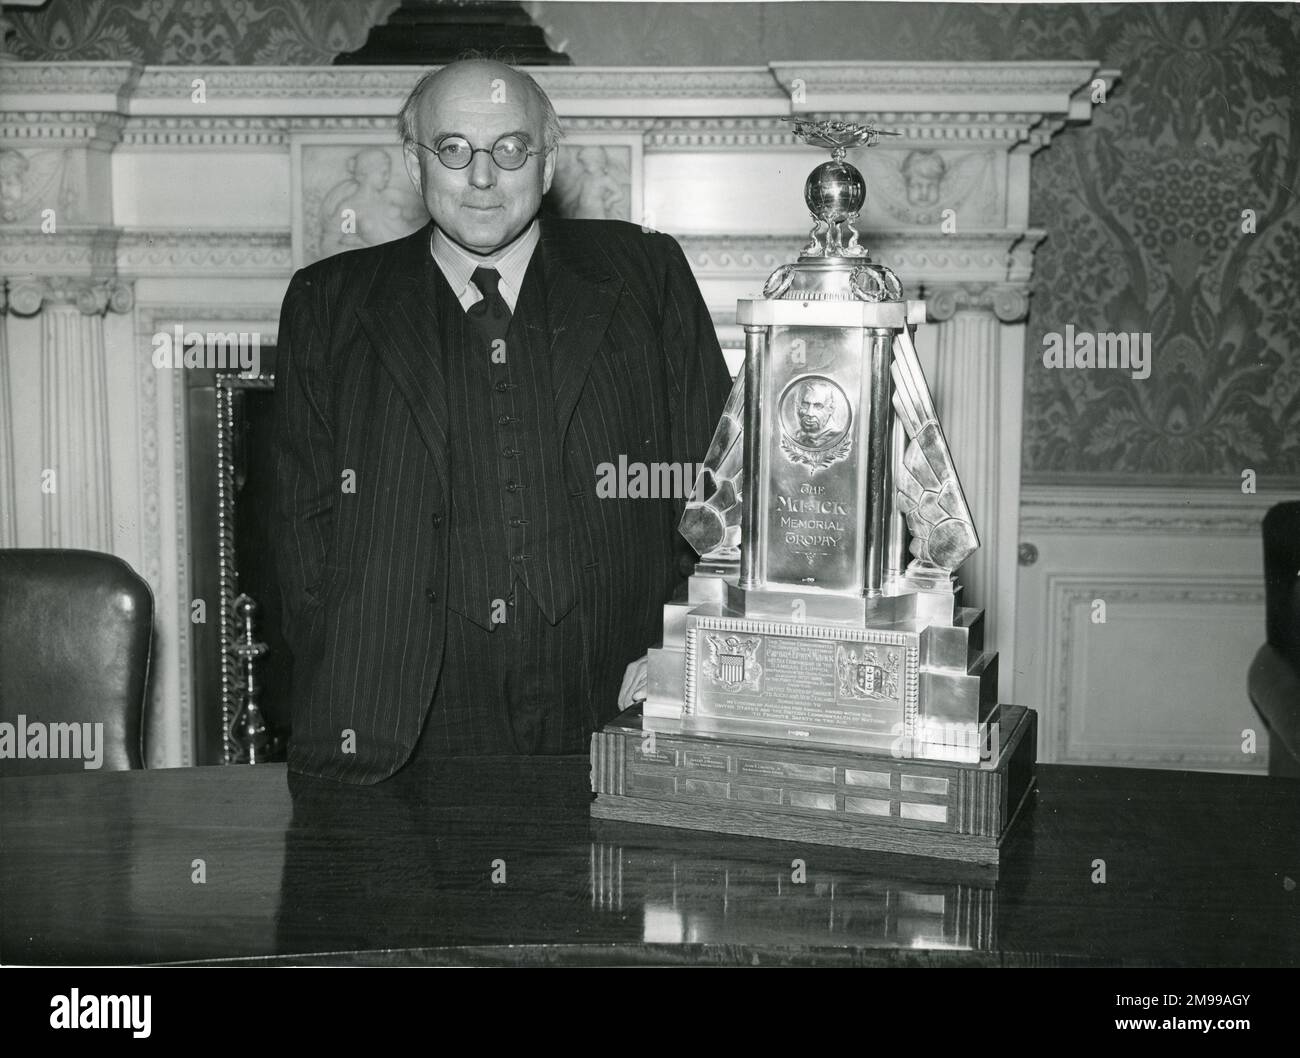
[977, 397]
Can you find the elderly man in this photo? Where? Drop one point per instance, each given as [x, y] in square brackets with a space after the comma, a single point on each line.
[451, 583]
[816, 407]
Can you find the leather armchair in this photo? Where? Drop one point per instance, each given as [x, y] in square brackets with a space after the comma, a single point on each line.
[1274, 679]
[76, 629]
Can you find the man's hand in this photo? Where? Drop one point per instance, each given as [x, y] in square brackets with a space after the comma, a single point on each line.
[633, 689]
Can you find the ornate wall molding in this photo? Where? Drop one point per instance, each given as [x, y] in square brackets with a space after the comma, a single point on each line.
[883, 79]
[1070, 599]
[1142, 510]
[750, 133]
[711, 134]
[244, 253]
[393, 82]
[66, 127]
[660, 134]
[1000, 129]
[205, 315]
[206, 132]
[658, 82]
[969, 258]
[110, 80]
[26, 297]
[281, 83]
[1007, 302]
[89, 251]
[77, 265]
[676, 108]
[111, 254]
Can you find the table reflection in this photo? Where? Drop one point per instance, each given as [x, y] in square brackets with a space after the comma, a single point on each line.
[688, 889]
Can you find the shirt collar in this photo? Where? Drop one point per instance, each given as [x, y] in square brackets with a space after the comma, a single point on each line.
[458, 264]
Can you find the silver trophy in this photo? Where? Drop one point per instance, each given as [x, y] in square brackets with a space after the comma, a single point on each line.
[821, 642]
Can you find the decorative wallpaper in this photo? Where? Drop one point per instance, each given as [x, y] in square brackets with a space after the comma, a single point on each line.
[1149, 238]
[1148, 235]
[244, 32]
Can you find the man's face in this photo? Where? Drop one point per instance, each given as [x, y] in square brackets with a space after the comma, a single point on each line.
[482, 206]
[815, 407]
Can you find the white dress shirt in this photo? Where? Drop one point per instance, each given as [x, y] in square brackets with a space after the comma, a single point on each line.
[458, 264]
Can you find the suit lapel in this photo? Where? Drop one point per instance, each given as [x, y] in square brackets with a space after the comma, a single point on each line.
[580, 298]
[400, 319]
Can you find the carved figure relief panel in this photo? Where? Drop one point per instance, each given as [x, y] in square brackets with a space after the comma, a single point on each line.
[915, 187]
[33, 181]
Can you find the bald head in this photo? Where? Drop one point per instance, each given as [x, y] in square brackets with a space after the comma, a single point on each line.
[476, 72]
[483, 207]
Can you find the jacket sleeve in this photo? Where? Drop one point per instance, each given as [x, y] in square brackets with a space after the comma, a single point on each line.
[305, 486]
[701, 380]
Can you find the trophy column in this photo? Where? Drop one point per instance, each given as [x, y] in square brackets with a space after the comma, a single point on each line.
[751, 565]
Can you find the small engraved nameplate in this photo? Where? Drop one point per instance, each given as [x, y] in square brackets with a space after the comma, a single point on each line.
[807, 799]
[928, 813]
[702, 788]
[767, 795]
[923, 784]
[707, 761]
[781, 770]
[867, 806]
[643, 783]
[878, 779]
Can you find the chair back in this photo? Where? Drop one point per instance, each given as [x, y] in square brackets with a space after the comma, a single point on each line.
[1282, 578]
[76, 629]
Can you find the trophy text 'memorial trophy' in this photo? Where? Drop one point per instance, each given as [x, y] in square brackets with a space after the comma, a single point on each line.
[820, 679]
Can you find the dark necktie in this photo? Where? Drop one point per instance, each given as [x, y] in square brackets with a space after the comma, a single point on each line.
[491, 315]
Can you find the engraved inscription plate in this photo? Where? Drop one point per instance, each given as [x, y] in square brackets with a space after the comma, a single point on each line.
[842, 686]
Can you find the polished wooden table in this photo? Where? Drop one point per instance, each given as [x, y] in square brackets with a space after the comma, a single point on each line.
[495, 860]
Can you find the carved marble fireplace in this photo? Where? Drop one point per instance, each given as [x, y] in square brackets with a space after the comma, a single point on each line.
[141, 199]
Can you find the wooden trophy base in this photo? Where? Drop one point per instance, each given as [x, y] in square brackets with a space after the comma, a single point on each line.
[816, 794]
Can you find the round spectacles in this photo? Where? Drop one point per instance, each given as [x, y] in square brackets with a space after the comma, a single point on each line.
[455, 152]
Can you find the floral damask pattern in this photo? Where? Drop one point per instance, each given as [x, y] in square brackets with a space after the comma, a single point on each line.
[227, 32]
[1200, 129]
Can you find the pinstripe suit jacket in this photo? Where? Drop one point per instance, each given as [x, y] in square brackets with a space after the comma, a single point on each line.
[361, 461]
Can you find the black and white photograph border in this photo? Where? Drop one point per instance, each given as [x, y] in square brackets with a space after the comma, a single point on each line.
[345, 618]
